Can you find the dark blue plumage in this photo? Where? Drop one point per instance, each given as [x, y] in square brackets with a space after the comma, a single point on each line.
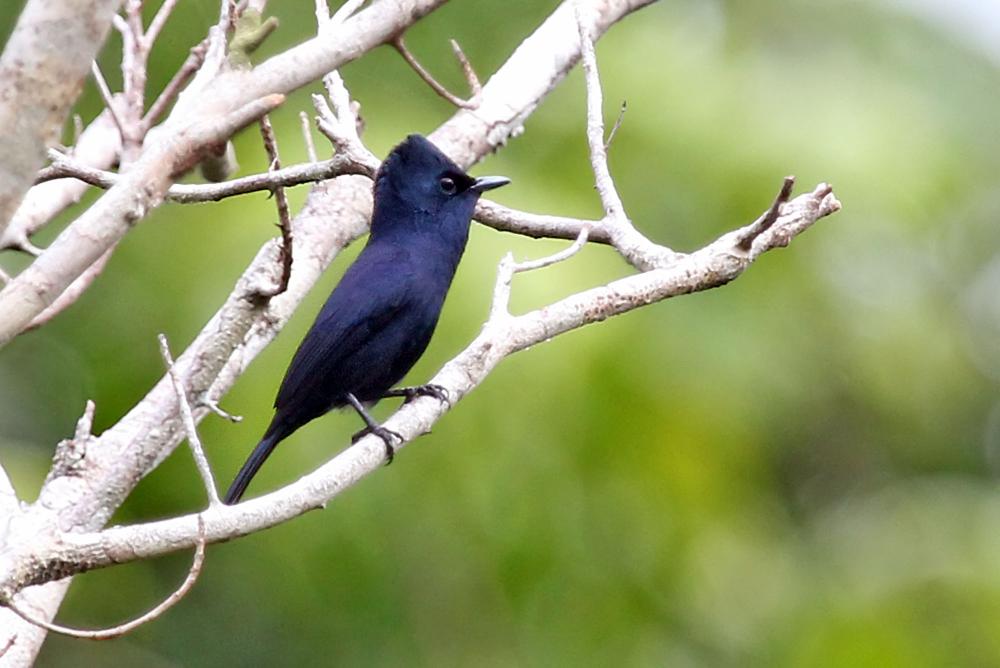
[379, 319]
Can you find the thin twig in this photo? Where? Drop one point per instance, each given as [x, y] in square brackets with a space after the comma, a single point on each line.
[614, 128]
[767, 220]
[173, 88]
[10, 643]
[122, 629]
[470, 74]
[156, 25]
[284, 218]
[307, 136]
[72, 292]
[218, 410]
[613, 207]
[189, 193]
[77, 130]
[133, 16]
[559, 256]
[499, 308]
[102, 86]
[411, 60]
[200, 460]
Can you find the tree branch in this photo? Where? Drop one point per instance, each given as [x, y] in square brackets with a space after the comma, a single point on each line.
[231, 95]
[78, 501]
[502, 335]
[42, 70]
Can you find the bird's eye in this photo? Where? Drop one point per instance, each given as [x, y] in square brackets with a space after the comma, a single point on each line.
[447, 185]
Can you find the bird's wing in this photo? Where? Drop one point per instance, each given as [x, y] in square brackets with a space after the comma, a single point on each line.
[372, 293]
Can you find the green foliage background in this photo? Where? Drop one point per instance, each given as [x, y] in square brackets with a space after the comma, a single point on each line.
[796, 470]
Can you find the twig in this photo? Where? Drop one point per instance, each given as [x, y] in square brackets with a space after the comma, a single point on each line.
[73, 292]
[122, 629]
[156, 25]
[470, 74]
[284, 218]
[307, 137]
[77, 130]
[341, 125]
[102, 86]
[188, 193]
[200, 460]
[767, 220]
[85, 425]
[411, 60]
[173, 88]
[499, 308]
[614, 128]
[613, 207]
[213, 406]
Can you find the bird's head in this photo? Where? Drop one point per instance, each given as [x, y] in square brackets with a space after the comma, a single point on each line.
[418, 185]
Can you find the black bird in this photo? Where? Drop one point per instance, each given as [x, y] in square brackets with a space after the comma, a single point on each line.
[379, 319]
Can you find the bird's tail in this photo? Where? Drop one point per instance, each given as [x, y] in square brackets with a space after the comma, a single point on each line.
[253, 464]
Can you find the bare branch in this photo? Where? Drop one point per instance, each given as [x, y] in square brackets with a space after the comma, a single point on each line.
[307, 137]
[97, 147]
[46, 59]
[109, 102]
[284, 218]
[470, 74]
[106, 222]
[123, 629]
[503, 335]
[499, 308]
[200, 460]
[73, 292]
[173, 88]
[241, 328]
[762, 225]
[613, 207]
[614, 128]
[428, 78]
[156, 25]
[190, 193]
[230, 95]
[538, 226]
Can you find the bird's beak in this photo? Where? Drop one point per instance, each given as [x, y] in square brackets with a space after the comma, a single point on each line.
[484, 183]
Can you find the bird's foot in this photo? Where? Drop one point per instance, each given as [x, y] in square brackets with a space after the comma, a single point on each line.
[387, 436]
[439, 392]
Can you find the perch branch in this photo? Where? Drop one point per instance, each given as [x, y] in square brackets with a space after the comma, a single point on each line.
[714, 265]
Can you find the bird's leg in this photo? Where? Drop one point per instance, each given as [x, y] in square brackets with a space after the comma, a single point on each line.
[373, 428]
[439, 392]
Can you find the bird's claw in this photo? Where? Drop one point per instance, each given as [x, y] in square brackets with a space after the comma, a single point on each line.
[439, 392]
[387, 436]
